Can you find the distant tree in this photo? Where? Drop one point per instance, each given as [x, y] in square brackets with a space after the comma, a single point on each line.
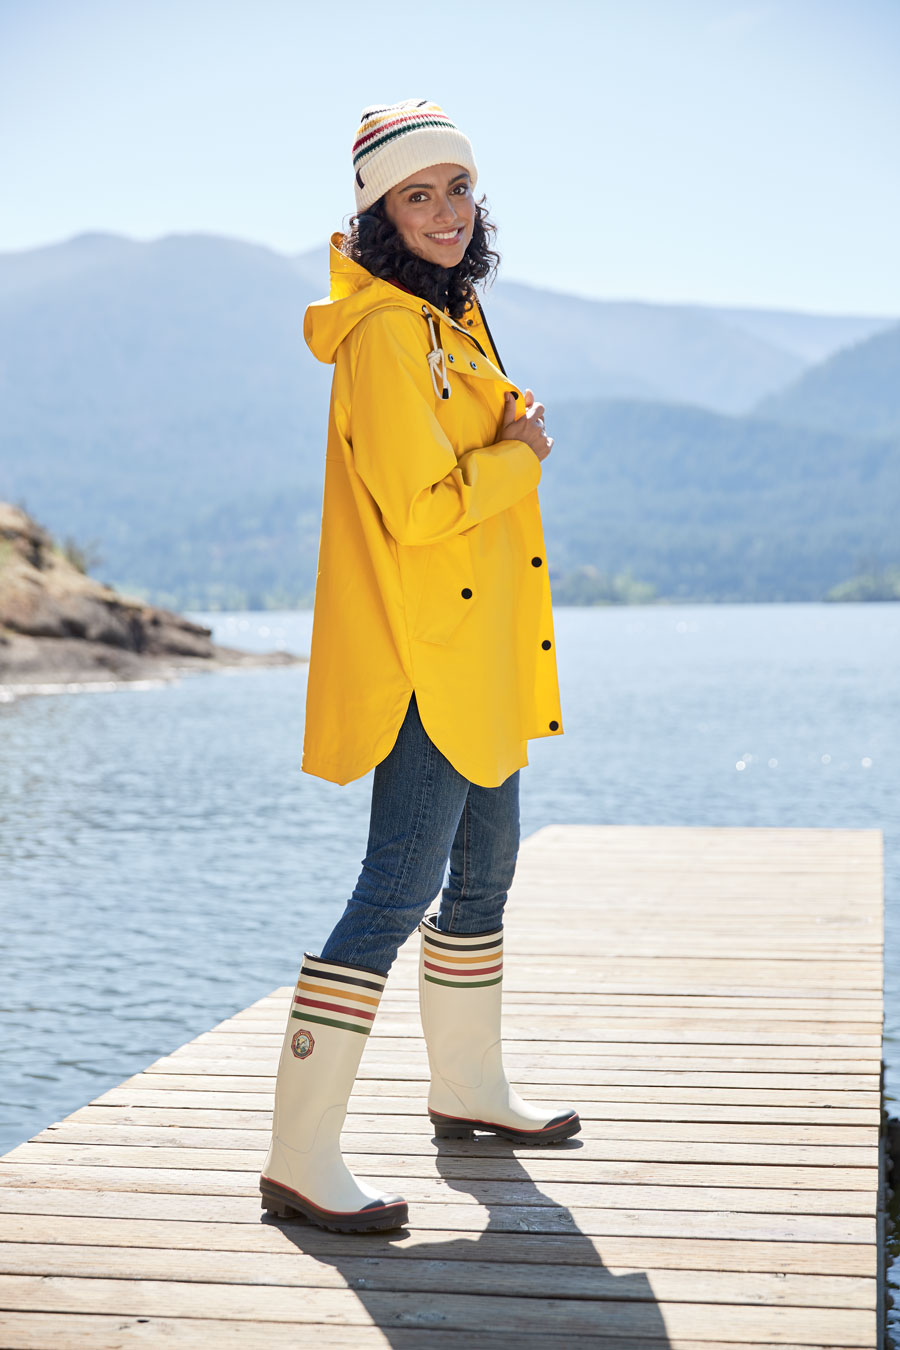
[882, 584]
[587, 585]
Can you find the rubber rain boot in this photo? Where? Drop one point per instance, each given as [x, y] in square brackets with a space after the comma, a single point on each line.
[460, 982]
[331, 1015]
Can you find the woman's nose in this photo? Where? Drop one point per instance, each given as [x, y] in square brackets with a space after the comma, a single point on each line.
[446, 210]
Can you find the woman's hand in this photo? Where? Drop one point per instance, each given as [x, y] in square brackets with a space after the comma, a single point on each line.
[529, 427]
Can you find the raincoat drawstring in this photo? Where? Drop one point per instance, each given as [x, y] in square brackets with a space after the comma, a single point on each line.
[436, 359]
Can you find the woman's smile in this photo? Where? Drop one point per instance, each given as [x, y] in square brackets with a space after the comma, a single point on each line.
[448, 236]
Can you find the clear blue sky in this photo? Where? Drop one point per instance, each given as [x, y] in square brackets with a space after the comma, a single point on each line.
[720, 151]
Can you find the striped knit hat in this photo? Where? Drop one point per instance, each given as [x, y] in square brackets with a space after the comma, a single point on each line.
[395, 141]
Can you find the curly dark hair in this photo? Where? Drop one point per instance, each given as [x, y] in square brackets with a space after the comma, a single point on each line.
[377, 245]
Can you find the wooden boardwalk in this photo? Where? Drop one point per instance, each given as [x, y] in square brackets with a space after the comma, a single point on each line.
[710, 1000]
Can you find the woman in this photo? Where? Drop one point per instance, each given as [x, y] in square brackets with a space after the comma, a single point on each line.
[431, 661]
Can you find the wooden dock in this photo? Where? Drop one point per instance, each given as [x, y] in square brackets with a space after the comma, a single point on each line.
[709, 999]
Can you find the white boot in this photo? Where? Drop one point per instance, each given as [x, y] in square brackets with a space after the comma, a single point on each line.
[460, 996]
[331, 1015]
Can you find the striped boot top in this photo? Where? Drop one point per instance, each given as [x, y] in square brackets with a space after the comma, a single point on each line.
[465, 961]
[337, 996]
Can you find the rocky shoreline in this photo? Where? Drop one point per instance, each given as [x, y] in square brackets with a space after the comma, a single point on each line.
[63, 631]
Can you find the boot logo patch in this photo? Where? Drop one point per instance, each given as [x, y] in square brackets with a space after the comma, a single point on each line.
[302, 1043]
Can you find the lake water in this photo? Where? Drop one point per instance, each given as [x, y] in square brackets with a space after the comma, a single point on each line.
[163, 862]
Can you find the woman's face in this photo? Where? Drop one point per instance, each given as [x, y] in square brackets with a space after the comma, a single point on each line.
[434, 212]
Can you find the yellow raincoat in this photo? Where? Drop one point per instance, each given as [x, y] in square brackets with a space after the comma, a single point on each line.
[432, 574]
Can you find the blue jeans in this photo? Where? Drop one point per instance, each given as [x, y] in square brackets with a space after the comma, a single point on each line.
[422, 812]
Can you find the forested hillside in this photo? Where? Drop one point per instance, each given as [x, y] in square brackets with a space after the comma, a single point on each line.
[856, 390]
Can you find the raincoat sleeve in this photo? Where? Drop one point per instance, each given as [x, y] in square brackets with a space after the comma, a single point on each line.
[403, 455]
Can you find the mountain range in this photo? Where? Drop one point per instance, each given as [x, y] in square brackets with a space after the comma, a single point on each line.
[158, 400]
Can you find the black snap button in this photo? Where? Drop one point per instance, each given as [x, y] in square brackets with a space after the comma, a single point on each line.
[470, 322]
[449, 356]
[554, 726]
[536, 562]
[466, 593]
[473, 365]
[546, 644]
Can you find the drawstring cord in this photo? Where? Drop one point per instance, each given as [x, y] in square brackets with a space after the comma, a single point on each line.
[436, 359]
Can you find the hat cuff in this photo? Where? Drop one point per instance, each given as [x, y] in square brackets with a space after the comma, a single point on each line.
[415, 151]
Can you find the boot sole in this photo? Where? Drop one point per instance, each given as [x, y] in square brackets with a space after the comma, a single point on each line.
[454, 1127]
[287, 1204]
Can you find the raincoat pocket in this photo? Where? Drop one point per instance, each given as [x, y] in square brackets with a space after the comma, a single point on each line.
[447, 596]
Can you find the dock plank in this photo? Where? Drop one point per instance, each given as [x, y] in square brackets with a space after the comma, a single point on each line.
[680, 1253]
[719, 1029]
[47, 1331]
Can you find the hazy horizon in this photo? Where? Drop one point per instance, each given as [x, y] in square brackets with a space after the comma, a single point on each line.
[502, 275]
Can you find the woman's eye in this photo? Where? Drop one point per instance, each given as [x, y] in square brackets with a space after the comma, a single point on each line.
[461, 188]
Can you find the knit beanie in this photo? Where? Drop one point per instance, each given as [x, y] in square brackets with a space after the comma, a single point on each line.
[395, 141]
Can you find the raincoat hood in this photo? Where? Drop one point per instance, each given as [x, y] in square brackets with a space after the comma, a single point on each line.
[355, 293]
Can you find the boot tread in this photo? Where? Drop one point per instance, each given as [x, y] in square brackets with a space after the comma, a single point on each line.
[458, 1127]
[389, 1212]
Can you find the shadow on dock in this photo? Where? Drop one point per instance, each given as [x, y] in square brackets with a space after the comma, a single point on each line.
[529, 1276]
